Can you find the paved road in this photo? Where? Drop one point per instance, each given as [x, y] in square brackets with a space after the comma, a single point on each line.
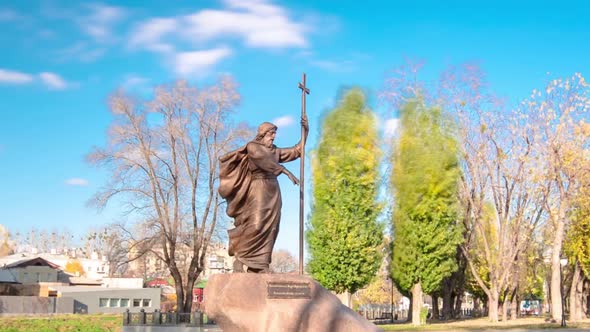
[517, 330]
[525, 330]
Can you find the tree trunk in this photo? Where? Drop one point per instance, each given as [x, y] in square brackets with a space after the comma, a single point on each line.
[188, 294]
[179, 296]
[576, 294]
[417, 303]
[547, 300]
[409, 314]
[586, 298]
[493, 308]
[348, 299]
[556, 295]
[458, 304]
[178, 286]
[505, 309]
[514, 306]
[459, 289]
[435, 313]
[447, 306]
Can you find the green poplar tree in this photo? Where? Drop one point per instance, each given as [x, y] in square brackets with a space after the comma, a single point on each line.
[425, 177]
[344, 236]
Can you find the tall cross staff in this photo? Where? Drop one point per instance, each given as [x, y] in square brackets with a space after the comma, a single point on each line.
[304, 92]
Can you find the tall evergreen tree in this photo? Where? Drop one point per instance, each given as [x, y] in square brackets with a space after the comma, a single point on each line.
[344, 235]
[426, 231]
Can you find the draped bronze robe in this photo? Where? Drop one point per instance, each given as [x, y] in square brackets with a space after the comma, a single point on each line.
[248, 181]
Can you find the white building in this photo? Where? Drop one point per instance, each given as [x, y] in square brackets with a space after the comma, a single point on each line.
[94, 267]
[122, 282]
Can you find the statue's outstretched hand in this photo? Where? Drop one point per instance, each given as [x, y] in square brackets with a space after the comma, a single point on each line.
[292, 177]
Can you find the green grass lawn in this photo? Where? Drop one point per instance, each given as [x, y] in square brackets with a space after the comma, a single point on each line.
[62, 323]
[484, 324]
[96, 323]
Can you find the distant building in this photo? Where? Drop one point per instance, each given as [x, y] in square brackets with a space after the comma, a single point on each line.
[218, 261]
[122, 282]
[93, 300]
[27, 279]
[94, 267]
[31, 270]
[149, 266]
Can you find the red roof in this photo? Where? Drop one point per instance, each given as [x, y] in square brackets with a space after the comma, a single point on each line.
[157, 283]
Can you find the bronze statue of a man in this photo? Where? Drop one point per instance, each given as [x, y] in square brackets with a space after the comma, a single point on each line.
[248, 181]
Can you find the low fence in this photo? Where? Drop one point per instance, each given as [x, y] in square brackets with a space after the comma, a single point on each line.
[377, 313]
[36, 305]
[158, 318]
[384, 314]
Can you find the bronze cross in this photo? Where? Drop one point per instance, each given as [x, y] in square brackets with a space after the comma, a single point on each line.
[304, 92]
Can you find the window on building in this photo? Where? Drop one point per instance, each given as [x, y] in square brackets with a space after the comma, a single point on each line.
[49, 277]
[147, 303]
[124, 303]
[38, 276]
[137, 302]
[102, 302]
[114, 303]
[25, 276]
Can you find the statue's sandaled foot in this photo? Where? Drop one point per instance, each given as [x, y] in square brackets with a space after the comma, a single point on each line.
[238, 266]
[252, 270]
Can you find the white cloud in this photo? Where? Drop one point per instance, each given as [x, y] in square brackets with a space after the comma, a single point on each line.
[135, 82]
[14, 77]
[196, 62]
[81, 51]
[258, 23]
[390, 127]
[53, 81]
[149, 34]
[101, 20]
[284, 121]
[77, 182]
[333, 66]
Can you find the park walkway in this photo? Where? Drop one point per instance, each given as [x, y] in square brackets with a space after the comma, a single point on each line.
[482, 324]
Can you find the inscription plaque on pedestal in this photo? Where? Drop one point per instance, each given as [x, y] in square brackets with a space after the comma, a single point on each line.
[288, 290]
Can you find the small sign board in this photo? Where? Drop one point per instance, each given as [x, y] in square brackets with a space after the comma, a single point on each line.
[288, 290]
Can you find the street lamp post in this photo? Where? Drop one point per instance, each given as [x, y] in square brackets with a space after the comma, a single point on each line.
[563, 262]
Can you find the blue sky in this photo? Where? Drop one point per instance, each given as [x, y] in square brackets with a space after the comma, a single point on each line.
[61, 59]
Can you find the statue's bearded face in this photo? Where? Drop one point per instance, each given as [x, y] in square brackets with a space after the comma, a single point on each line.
[269, 138]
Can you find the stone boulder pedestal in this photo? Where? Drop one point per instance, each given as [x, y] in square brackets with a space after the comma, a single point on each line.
[245, 302]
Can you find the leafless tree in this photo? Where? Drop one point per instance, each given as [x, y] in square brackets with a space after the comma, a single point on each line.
[562, 150]
[498, 155]
[163, 158]
[111, 243]
[283, 262]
